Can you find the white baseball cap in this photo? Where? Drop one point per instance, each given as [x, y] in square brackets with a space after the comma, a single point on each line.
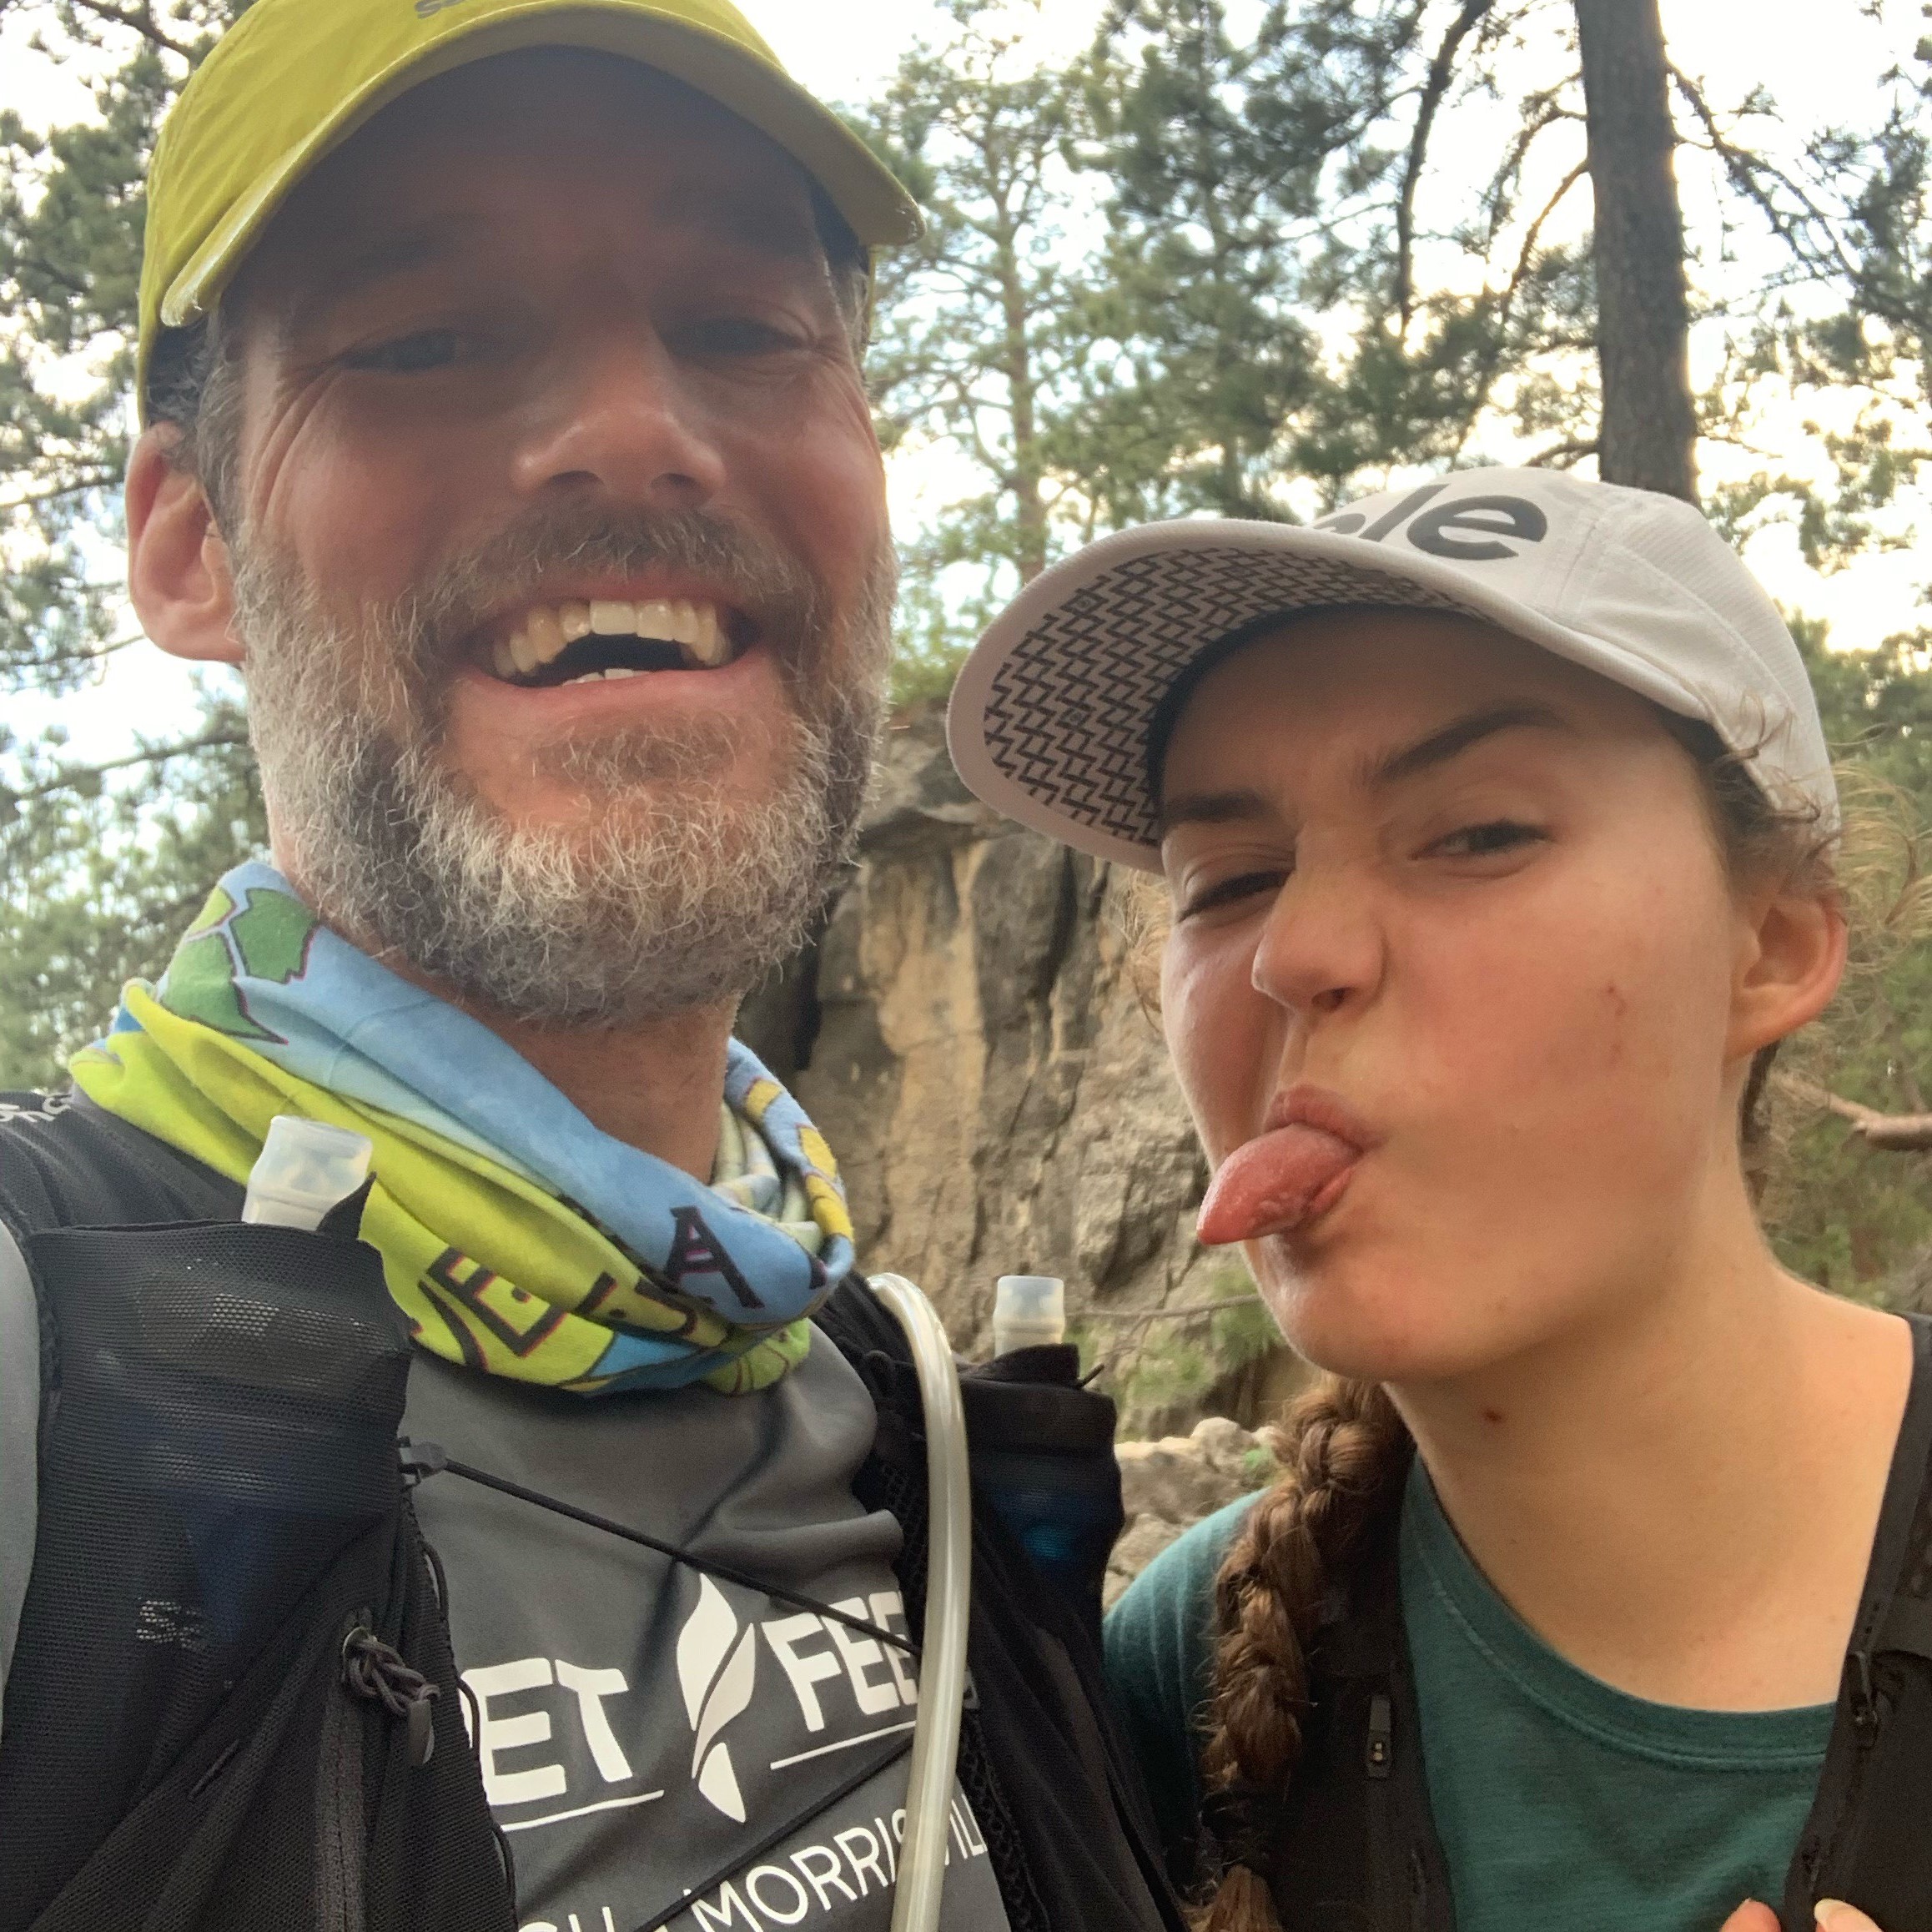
[1064, 704]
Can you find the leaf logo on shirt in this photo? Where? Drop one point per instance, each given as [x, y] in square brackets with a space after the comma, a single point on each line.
[715, 1666]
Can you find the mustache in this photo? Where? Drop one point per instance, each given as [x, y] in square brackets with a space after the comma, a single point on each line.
[769, 585]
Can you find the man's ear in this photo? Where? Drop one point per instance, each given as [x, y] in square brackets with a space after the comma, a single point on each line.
[1791, 958]
[178, 570]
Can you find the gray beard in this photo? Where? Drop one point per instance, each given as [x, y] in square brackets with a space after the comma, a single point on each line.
[672, 892]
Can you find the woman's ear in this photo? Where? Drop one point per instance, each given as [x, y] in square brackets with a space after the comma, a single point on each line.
[178, 570]
[1791, 957]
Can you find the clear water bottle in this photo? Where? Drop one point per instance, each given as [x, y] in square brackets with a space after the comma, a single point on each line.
[1028, 1311]
[305, 1168]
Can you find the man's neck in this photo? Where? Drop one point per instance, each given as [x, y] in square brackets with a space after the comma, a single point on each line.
[1682, 1501]
[657, 1085]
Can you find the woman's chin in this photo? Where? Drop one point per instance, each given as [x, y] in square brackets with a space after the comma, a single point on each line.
[1374, 1323]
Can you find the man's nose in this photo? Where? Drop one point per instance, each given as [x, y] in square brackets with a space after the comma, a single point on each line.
[617, 418]
[1322, 949]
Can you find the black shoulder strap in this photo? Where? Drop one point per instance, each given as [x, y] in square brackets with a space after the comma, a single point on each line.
[1358, 1843]
[221, 1517]
[65, 1163]
[1866, 1840]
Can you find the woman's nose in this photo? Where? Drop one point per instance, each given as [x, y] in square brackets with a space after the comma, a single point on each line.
[618, 417]
[1321, 950]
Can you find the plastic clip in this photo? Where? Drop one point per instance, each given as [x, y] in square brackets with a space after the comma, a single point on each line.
[419, 1460]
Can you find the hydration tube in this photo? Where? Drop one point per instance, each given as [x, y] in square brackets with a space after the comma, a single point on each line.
[949, 1594]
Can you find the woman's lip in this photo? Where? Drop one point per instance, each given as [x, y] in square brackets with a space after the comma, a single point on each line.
[1290, 1173]
[1305, 1106]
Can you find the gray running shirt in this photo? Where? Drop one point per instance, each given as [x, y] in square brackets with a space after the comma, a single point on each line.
[644, 1728]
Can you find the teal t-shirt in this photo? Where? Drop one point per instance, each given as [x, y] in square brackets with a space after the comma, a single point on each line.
[1558, 1799]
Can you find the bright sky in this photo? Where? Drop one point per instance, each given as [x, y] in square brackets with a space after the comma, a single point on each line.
[844, 49]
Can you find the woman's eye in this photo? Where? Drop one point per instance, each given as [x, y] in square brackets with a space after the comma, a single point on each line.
[409, 354]
[1230, 891]
[1484, 841]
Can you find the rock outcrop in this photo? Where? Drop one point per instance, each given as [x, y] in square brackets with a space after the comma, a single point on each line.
[1167, 1485]
[968, 1033]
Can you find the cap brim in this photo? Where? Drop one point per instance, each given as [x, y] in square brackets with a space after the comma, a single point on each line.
[864, 191]
[1050, 719]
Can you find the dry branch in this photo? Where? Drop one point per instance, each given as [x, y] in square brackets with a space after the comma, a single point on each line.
[1892, 1132]
[1441, 71]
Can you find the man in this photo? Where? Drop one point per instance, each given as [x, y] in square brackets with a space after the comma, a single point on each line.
[504, 422]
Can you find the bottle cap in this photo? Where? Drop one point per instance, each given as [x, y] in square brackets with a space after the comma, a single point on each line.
[1029, 1311]
[305, 1168]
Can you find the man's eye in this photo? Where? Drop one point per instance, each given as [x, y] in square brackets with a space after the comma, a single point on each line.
[1484, 841]
[1230, 891]
[736, 335]
[409, 354]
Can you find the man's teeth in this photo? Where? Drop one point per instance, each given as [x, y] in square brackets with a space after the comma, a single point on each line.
[695, 628]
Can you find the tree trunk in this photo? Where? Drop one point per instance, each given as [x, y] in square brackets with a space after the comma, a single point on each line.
[1649, 430]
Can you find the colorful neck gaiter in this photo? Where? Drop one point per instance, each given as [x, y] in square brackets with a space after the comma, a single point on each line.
[516, 1237]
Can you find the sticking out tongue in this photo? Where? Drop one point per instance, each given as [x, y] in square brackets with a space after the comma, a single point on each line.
[1267, 1186]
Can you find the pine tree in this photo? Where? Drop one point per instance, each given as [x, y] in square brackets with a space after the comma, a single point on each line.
[101, 865]
[974, 349]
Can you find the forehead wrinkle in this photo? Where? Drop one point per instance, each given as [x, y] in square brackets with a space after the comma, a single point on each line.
[756, 223]
[748, 216]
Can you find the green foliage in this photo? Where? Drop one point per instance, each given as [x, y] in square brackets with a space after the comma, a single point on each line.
[1157, 1365]
[976, 348]
[1841, 1213]
[1186, 273]
[1297, 307]
[72, 203]
[102, 879]
[100, 865]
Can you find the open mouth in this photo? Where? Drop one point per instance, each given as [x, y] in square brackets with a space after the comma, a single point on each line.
[578, 639]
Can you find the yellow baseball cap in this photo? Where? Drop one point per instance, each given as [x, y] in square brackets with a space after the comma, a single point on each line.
[294, 79]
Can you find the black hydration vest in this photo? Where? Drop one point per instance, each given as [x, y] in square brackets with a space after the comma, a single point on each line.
[232, 1705]
[1354, 1846]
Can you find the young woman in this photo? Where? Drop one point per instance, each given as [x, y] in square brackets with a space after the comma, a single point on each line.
[1497, 826]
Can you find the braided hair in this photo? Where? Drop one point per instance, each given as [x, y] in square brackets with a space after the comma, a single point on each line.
[1346, 1451]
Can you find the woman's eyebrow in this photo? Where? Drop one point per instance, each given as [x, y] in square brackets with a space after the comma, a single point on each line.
[1453, 739]
[1209, 809]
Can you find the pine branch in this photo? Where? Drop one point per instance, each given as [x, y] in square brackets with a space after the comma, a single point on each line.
[1506, 308]
[141, 20]
[1560, 456]
[1748, 173]
[66, 777]
[79, 486]
[1176, 1314]
[1441, 70]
